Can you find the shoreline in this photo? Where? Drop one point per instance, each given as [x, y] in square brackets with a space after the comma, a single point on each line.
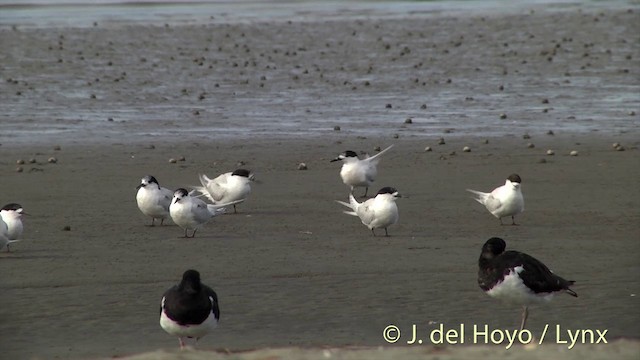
[565, 71]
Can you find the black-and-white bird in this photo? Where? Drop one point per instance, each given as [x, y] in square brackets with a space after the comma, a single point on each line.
[228, 187]
[153, 200]
[359, 172]
[12, 216]
[189, 309]
[517, 277]
[503, 201]
[378, 212]
[190, 213]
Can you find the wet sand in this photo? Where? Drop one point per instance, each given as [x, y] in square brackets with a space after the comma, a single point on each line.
[291, 270]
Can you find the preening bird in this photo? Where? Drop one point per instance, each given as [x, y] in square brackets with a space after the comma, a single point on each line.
[517, 277]
[503, 201]
[379, 212]
[359, 172]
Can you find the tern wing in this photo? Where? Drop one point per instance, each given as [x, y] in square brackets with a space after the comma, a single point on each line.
[200, 211]
[167, 196]
[216, 209]
[213, 188]
[366, 212]
[374, 158]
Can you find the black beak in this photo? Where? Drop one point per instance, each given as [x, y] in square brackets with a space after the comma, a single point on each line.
[336, 159]
[139, 186]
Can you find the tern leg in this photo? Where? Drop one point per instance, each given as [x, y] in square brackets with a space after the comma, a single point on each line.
[525, 315]
[501, 221]
[386, 233]
[153, 221]
[194, 233]
[234, 209]
[8, 250]
[513, 220]
[373, 232]
[182, 344]
[161, 221]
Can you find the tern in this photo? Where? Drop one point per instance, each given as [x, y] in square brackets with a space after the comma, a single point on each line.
[378, 212]
[359, 172]
[503, 201]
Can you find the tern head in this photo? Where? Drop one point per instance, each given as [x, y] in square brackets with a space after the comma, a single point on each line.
[346, 155]
[148, 179]
[244, 173]
[13, 209]
[389, 191]
[492, 248]
[190, 282]
[179, 195]
[514, 180]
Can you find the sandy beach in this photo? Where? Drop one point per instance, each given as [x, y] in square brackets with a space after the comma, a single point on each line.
[291, 270]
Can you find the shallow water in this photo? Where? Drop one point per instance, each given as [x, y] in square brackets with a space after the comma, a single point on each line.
[187, 68]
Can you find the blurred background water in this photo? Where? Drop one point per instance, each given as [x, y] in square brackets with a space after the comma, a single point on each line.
[55, 109]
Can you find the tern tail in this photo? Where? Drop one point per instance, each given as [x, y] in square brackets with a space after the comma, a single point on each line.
[479, 196]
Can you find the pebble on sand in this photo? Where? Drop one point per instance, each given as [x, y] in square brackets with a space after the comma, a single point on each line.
[173, 161]
[615, 145]
[408, 121]
[19, 169]
[57, 148]
[526, 136]
[550, 132]
[20, 162]
[32, 161]
[427, 149]
[336, 128]
[466, 149]
[620, 148]
[302, 166]
[503, 116]
[377, 148]
[530, 145]
[574, 153]
[52, 160]
[441, 141]
[551, 152]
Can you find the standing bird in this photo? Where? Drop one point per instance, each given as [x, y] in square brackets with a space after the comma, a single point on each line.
[359, 173]
[503, 201]
[228, 187]
[12, 216]
[189, 212]
[189, 309]
[153, 200]
[379, 212]
[517, 277]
